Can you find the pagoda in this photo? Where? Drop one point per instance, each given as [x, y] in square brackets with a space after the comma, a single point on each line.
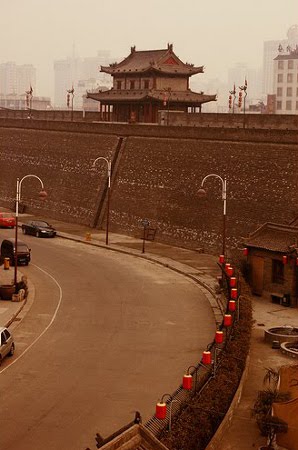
[146, 82]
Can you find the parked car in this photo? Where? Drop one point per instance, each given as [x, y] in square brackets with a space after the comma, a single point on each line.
[7, 220]
[39, 228]
[7, 346]
[7, 250]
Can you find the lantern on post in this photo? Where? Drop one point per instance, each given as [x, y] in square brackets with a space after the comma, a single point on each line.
[187, 381]
[161, 408]
[233, 282]
[230, 271]
[227, 320]
[230, 102]
[234, 293]
[219, 337]
[206, 358]
[240, 99]
[232, 305]
[221, 259]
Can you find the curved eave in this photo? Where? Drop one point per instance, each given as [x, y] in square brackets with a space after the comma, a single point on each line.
[185, 98]
[163, 70]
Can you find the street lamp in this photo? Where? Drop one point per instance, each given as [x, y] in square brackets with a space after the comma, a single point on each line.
[243, 89]
[109, 168]
[42, 195]
[29, 96]
[70, 92]
[202, 193]
[232, 99]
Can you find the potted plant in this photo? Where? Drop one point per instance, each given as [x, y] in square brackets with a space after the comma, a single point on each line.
[269, 425]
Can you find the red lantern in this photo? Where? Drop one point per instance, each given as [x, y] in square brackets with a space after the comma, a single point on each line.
[187, 382]
[161, 410]
[206, 358]
[226, 267]
[227, 320]
[296, 261]
[234, 293]
[233, 282]
[230, 271]
[221, 259]
[219, 337]
[285, 259]
[245, 251]
[232, 305]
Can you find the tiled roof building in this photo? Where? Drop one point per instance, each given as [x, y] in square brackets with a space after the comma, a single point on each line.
[272, 261]
[146, 82]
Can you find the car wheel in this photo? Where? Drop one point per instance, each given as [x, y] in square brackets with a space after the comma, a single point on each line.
[37, 234]
[12, 348]
[24, 231]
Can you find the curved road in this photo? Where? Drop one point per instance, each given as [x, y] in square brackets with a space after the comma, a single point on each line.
[107, 334]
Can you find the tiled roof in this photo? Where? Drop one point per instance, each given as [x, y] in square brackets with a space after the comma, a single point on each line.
[293, 55]
[143, 61]
[158, 95]
[274, 237]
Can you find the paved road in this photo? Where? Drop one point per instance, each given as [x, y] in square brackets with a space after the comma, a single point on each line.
[107, 334]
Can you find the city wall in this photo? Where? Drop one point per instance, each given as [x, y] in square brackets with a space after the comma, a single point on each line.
[157, 174]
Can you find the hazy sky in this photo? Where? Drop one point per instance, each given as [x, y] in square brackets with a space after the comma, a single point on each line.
[213, 33]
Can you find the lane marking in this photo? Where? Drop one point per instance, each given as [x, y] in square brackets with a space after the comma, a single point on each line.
[47, 327]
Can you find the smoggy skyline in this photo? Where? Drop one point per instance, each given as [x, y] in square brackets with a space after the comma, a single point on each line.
[214, 34]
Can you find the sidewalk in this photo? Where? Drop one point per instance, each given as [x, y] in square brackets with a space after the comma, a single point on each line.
[243, 432]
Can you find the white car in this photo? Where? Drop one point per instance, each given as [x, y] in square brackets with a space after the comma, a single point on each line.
[7, 346]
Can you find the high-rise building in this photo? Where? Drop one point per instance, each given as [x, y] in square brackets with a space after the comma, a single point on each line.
[77, 72]
[286, 81]
[270, 52]
[16, 79]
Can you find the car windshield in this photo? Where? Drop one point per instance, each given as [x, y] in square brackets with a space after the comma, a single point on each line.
[41, 224]
[22, 248]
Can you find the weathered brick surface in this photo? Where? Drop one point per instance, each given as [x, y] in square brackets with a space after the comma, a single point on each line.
[63, 161]
[158, 177]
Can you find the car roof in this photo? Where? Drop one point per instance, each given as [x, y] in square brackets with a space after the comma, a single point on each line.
[12, 240]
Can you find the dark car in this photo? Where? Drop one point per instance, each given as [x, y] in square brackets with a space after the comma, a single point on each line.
[39, 228]
[8, 251]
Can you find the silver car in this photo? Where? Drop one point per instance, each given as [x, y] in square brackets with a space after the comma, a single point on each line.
[7, 346]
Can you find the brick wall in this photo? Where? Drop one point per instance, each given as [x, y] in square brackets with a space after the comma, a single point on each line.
[158, 176]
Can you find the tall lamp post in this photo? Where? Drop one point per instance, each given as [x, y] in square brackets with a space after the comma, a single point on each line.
[29, 96]
[70, 92]
[243, 89]
[232, 99]
[109, 172]
[202, 193]
[42, 195]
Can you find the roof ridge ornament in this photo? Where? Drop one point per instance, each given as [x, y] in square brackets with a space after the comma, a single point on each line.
[170, 47]
[132, 49]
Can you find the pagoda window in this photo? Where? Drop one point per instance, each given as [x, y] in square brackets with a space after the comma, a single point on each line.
[132, 85]
[119, 83]
[146, 84]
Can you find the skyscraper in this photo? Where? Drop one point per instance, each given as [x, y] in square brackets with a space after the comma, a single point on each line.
[16, 79]
[77, 72]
